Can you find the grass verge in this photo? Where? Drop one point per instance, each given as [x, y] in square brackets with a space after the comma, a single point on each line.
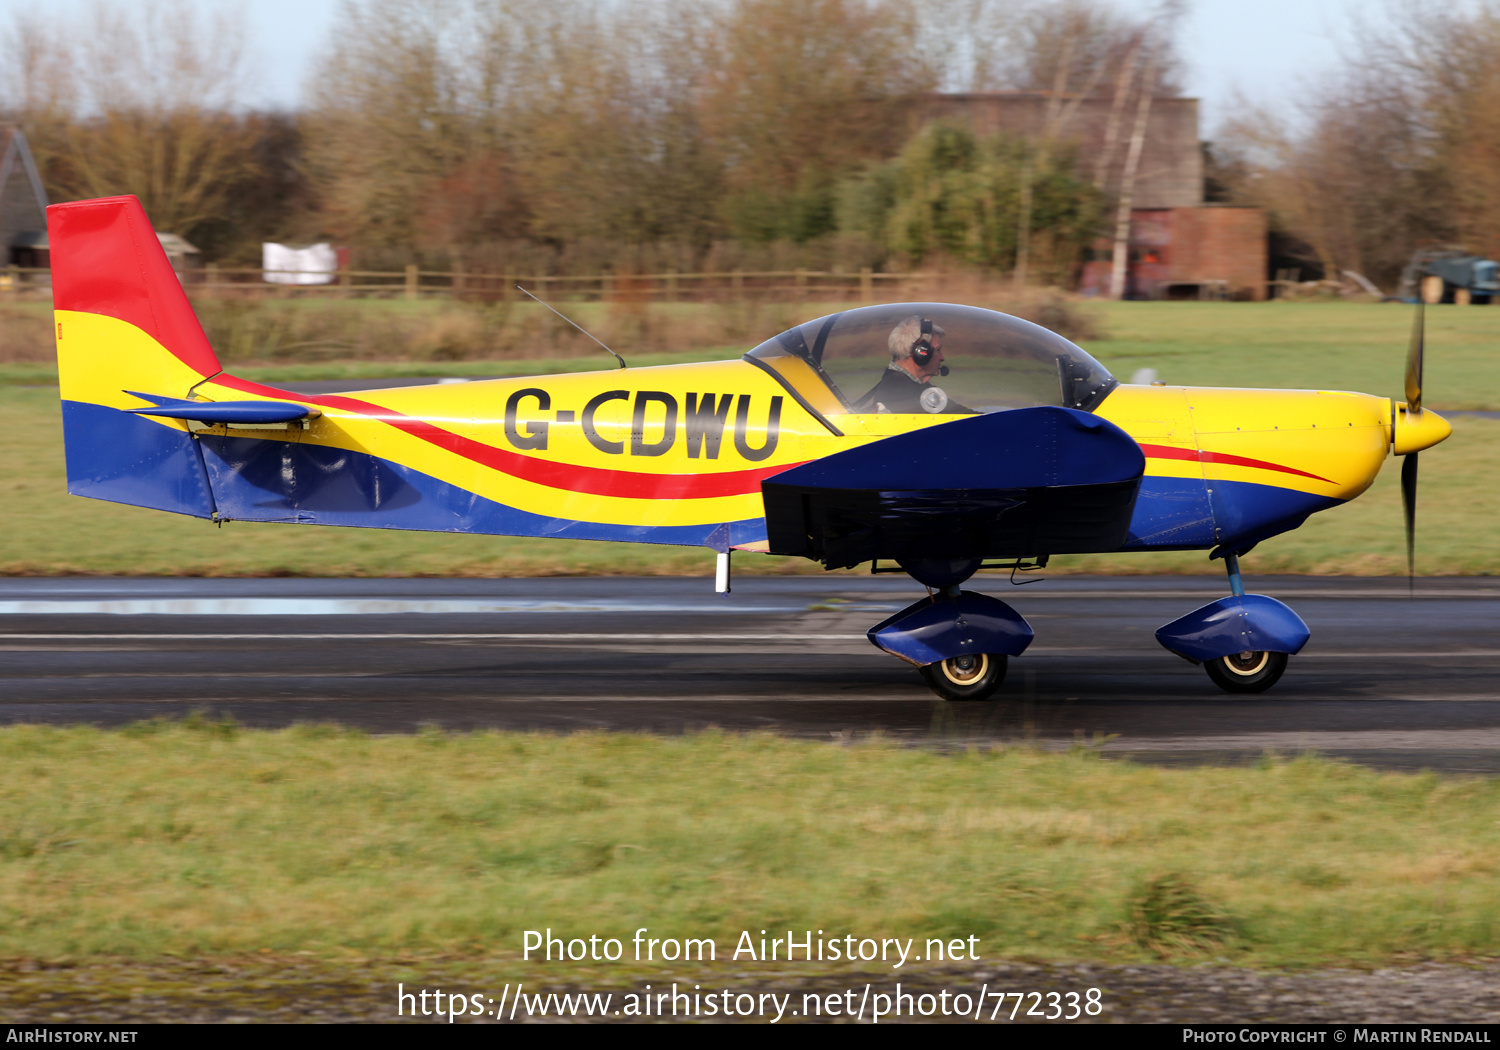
[202, 839]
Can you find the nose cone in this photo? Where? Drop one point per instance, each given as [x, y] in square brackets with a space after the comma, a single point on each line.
[1415, 431]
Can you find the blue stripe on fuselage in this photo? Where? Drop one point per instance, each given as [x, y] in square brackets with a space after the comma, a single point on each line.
[259, 480]
[1191, 514]
[115, 456]
[124, 458]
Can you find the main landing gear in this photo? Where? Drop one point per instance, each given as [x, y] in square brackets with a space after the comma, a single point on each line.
[961, 641]
[1242, 641]
[966, 677]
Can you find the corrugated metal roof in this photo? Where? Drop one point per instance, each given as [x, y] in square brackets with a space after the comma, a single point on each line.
[175, 245]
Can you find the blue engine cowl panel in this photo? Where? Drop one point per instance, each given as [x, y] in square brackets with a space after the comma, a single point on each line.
[941, 628]
[1236, 624]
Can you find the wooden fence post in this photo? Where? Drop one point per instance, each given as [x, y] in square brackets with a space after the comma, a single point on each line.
[413, 288]
[866, 285]
[801, 281]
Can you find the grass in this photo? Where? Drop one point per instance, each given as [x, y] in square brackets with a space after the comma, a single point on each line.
[203, 839]
[1296, 345]
[1307, 346]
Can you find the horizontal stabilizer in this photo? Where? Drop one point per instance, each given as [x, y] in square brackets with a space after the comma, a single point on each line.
[1023, 483]
[242, 412]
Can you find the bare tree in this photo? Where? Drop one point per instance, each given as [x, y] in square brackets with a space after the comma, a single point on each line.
[455, 122]
[389, 117]
[1073, 39]
[139, 103]
[1124, 83]
[610, 143]
[967, 43]
[794, 93]
[1395, 151]
[1154, 41]
[1452, 70]
[1120, 261]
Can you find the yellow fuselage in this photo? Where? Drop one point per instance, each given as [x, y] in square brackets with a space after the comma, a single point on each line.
[659, 454]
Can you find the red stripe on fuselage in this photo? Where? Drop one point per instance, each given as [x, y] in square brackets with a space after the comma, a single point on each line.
[595, 481]
[1167, 452]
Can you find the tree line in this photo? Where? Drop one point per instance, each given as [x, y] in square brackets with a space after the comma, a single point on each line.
[585, 135]
[1395, 150]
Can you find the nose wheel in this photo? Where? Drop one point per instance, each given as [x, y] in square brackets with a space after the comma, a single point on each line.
[1248, 672]
[973, 676]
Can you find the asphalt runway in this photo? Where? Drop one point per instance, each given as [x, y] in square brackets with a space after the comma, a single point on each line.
[1388, 679]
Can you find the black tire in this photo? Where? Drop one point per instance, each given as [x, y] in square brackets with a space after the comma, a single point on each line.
[973, 677]
[1247, 672]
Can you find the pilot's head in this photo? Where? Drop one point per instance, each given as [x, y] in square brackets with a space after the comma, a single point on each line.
[917, 346]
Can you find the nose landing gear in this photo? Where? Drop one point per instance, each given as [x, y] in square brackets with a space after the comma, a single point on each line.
[1246, 672]
[1242, 641]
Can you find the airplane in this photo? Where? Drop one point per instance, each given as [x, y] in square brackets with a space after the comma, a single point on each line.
[762, 454]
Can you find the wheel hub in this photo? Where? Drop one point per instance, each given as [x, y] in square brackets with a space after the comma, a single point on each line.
[961, 670]
[1246, 663]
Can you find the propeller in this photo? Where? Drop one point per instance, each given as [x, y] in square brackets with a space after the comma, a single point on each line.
[1413, 414]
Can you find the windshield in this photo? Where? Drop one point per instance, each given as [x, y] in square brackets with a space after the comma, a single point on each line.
[994, 360]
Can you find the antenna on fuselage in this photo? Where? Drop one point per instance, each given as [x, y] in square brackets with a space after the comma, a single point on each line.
[575, 324]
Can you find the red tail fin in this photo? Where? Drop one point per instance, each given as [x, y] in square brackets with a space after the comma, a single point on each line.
[106, 260]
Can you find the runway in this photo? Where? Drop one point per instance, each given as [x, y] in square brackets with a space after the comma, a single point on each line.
[1391, 680]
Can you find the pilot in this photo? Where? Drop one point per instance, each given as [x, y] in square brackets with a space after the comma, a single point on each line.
[916, 356]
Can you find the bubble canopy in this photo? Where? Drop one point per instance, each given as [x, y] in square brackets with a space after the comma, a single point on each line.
[998, 361]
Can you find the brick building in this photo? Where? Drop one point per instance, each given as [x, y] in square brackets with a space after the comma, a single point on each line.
[1180, 246]
[1207, 251]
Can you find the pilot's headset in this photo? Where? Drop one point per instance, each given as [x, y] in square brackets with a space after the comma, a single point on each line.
[922, 350]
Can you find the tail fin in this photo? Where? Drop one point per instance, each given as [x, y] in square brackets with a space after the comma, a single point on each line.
[123, 323]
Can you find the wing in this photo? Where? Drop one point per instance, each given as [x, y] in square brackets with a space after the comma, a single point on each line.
[1022, 483]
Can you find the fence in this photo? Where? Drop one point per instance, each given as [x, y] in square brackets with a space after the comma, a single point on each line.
[21, 280]
[734, 285]
[414, 283]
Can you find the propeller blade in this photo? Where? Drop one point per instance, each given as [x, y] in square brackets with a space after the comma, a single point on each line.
[1409, 506]
[1414, 361]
